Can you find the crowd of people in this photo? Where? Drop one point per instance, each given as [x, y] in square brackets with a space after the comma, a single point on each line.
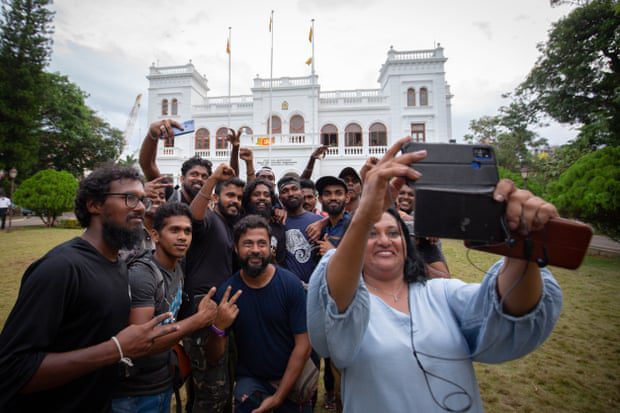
[261, 279]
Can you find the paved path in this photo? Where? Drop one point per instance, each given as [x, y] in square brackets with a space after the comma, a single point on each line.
[602, 245]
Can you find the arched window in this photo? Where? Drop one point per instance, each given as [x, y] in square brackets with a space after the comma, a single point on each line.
[174, 107]
[201, 140]
[220, 138]
[378, 134]
[277, 125]
[247, 130]
[329, 135]
[411, 96]
[353, 135]
[164, 107]
[296, 124]
[423, 96]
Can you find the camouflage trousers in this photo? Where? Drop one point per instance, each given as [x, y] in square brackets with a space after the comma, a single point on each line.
[212, 384]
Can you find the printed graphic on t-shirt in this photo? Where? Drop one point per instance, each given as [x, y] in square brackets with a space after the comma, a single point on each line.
[298, 245]
[174, 306]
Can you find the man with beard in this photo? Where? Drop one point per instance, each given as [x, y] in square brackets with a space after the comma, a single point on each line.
[333, 195]
[68, 329]
[209, 262]
[428, 247]
[300, 257]
[354, 186]
[259, 199]
[194, 171]
[267, 315]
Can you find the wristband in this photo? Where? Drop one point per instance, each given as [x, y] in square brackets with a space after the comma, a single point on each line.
[124, 360]
[217, 331]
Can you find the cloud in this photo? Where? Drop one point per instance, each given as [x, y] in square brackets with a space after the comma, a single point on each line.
[485, 28]
[327, 5]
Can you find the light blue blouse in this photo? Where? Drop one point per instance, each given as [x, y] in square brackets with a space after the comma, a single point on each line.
[454, 323]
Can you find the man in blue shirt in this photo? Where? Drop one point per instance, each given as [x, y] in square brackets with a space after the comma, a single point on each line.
[300, 256]
[333, 197]
[267, 314]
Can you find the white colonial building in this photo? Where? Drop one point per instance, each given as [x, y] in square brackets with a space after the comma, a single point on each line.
[413, 98]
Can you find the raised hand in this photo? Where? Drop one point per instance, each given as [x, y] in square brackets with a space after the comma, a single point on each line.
[246, 154]
[162, 129]
[227, 310]
[223, 172]
[233, 137]
[137, 339]
[319, 153]
[207, 309]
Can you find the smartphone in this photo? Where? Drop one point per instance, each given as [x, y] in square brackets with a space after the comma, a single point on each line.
[454, 195]
[562, 242]
[188, 127]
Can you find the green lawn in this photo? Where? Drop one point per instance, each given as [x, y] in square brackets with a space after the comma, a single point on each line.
[576, 370]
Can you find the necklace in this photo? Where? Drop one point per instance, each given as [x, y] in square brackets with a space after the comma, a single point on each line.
[395, 295]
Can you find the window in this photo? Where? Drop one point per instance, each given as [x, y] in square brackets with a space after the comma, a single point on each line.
[377, 135]
[174, 107]
[329, 135]
[423, 96]
[247, 130]
[353, 135]
[277, 125]
[220, 138]
[296, 124]
[418, 132]
[201, 140]
[411, 97]
[164, 107]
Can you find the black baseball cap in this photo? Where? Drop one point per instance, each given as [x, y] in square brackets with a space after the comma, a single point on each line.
[326, 181]
[348, 171]
[287, 180]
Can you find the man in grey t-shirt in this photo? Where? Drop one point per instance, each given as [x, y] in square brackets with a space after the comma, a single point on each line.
[156, 282]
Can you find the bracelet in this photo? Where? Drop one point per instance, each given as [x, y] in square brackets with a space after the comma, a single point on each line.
[217, 331]
[124, 360]
[207, 197]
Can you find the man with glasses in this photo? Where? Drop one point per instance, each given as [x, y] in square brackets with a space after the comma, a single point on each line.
[67, 332]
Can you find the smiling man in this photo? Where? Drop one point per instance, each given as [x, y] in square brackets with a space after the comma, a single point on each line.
[68, 328]
[156, 282]
[209, 263]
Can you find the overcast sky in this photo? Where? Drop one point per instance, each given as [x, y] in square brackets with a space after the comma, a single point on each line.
[106, 47]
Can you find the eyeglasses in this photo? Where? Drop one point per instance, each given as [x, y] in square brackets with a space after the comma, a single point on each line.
[131, 200]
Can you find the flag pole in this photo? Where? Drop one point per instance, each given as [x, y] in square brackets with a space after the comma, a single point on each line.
[271, 88]
[229, 72]
[314, 140]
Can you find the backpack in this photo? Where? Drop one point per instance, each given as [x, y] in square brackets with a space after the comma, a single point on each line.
[179, 363]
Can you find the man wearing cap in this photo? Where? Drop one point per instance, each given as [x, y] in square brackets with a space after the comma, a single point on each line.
[333, 195]
[300, 257]
[354, 186]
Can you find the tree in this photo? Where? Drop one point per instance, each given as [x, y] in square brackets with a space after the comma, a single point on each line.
[25, 47]
[590, 190]
[72, 137]
[509, 132]
[48, 193]
[576, 79]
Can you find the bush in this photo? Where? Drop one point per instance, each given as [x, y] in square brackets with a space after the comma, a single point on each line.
[48, 193]
[590, 190]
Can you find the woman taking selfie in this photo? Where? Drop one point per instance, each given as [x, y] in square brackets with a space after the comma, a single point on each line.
[404, 343]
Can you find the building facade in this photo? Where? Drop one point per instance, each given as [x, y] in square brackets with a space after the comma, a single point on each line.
[413, 98]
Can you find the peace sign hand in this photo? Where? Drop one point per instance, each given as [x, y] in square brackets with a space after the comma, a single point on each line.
[137, 339]
[227, 310]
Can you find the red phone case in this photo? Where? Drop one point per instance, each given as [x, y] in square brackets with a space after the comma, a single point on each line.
[562, 242]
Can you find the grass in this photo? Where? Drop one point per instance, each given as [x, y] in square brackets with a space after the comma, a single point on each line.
[576, 370]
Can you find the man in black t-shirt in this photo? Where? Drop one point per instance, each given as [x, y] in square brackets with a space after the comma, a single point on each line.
[62, 341]
[209, 262]
[156, 282]
[259, 198]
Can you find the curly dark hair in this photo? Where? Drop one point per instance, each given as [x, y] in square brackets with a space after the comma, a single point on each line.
[196, 161]
[250, 222]
[96, 184]
[249, 188]
[415, 269]
[167, 210]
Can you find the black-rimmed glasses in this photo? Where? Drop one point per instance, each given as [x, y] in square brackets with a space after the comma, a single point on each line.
[131, 200]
